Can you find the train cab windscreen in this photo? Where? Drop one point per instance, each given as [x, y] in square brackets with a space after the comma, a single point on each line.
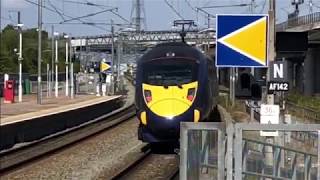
[167, 72]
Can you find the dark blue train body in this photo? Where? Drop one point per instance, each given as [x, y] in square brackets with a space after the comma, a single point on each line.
[174, 83]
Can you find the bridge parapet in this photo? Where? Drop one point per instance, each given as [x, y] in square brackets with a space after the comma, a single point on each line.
[301, 23]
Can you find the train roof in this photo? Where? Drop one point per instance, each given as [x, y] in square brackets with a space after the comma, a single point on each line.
[176, 49]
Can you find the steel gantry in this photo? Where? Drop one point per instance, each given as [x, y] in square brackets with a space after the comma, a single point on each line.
[146, 38]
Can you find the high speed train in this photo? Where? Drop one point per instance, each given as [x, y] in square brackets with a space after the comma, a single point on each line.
[175, 83]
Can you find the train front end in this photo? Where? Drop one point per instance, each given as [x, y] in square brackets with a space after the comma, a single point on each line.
[167, 90]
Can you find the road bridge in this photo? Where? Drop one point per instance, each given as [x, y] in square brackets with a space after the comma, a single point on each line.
[145, 38]
[303, 68]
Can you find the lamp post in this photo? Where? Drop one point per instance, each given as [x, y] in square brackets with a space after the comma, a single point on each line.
[67, 63]
[71, 73]
[112, 57]
[56, 64]
[48, 75]
[39, 90]
[20, 58]
[52, 58]
[121, 35]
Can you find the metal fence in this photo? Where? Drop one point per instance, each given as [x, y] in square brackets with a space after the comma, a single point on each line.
[202, 151]
[207, 150]
[45, 86]
[275, 170]
[298, 21]
[87, 83]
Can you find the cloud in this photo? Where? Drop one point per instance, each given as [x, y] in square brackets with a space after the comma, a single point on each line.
[16, 4]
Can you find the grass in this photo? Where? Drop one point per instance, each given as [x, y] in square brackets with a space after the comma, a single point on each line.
[224, 101]
[305, 101]
[237, 110]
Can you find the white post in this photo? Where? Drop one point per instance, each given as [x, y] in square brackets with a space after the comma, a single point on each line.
[20, 65]
[271, 55]
[5, 79]
[48, 83]
[67, 75]
[98, 89]
[39, 88]
[232, 85]
[104, 89]
[49, 80]
[72, 81]
[56, 71]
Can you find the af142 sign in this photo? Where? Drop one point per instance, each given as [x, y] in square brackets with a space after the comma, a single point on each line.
[278, 86]
[278, 77]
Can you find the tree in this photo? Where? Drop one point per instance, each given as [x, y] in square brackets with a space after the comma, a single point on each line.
[9, 59]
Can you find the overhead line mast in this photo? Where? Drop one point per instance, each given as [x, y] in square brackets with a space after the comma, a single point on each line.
[138, 15]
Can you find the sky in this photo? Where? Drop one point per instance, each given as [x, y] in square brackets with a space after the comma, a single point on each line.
[159, 15]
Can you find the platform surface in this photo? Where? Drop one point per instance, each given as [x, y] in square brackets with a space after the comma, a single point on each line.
[29, 109]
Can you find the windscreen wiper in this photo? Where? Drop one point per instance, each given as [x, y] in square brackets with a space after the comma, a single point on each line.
[179, 85]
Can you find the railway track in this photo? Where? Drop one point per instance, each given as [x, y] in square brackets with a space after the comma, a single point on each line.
[150, 166]
[11, 159]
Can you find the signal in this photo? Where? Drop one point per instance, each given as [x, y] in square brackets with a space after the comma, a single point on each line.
[248, 88]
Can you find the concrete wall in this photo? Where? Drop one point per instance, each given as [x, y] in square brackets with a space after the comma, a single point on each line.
[311, 68]
[317, 72]
[40, 127]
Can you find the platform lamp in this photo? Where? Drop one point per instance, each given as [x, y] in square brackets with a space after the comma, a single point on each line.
[20, 58]
[56, 34]
[71, 53]
[67, 64]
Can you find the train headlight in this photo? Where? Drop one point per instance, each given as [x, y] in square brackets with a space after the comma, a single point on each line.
[147, 95]
[191, 94]
[196, 115]
[170, 117]
[143, 118]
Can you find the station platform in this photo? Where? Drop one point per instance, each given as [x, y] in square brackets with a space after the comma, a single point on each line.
[28, 121]
[29, 109]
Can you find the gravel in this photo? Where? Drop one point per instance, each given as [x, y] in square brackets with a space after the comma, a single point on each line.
[87, 159]
[155, 166]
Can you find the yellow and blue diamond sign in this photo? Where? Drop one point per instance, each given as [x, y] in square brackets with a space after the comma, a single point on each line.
[105, 66]
[242, 41]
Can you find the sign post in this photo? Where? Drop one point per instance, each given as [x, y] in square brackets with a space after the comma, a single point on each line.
[106, 68]
[271, 55]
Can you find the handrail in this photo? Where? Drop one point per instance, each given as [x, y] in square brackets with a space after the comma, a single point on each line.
[281, 147]
[301, 20]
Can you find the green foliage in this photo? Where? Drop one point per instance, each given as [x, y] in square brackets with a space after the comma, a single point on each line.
[9, 57]
[305, 101]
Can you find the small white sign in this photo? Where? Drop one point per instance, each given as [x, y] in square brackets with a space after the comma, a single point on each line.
[269, 114]
[104, 89]
[108, 79]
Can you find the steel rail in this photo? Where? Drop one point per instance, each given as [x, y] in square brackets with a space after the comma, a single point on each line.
[145, 152]
[130, 168]
[174, 174]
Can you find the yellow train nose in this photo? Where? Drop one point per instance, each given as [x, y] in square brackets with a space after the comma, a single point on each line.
[169, 101]
[169, 107]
